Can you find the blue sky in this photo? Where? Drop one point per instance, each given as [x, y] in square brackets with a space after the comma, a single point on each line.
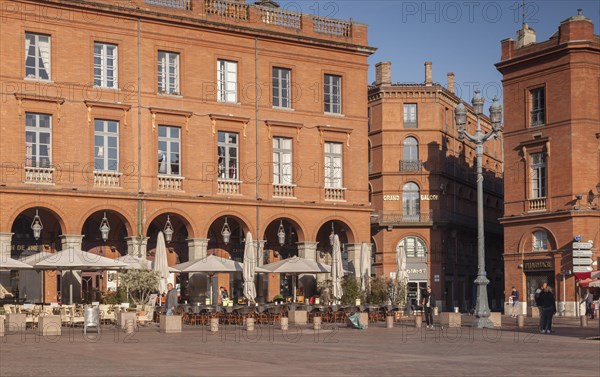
[457, 36]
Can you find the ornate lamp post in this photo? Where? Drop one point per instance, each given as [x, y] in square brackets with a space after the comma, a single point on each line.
[281, 233]
[482, 309]
[226, 232]
[37, 226]
[104, 228]
[168, 231]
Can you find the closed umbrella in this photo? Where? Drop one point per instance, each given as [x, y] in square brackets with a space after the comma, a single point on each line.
[365, 266]
[250, 262]
[295, 266]
[161, 263]
[337, 270]
[401, 271]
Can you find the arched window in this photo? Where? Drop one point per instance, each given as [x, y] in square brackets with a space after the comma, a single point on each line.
[411, 149]
[410, 202]
[413, 246]
[540, 240]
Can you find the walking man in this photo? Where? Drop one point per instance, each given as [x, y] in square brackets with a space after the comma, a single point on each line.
[514, 295]
[171, 301]
[428, 305]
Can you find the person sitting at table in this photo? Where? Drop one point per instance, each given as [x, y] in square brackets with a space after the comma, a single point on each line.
[224, 294]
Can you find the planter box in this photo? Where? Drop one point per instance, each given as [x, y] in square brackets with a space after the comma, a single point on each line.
[364, 320]
[170, 324]
[298, 317]
[124, 318]
[49, 325]
[496, 318]
[15, 322]
[450, 319]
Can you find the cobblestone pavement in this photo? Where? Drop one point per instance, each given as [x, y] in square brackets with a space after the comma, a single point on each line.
[377, 351]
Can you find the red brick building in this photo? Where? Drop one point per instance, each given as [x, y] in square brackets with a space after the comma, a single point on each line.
[198, 113]
[552, 146]
[423, 188]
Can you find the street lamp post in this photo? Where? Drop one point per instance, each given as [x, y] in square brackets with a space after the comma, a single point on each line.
[482, 309]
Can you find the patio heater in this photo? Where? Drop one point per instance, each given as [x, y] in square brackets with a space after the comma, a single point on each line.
[104, 228]
[37, 226]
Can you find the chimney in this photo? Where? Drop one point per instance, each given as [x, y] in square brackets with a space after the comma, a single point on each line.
[428, 74]
[383, 73]
[450, 85]
[525, 36]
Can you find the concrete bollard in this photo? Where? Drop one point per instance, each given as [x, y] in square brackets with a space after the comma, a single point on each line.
[129, 326]
[317, 323]
[214, 324]
[284, 323]
[418, 321]
[583, 320]
[520, 321]
[249, 324]
[389, 322]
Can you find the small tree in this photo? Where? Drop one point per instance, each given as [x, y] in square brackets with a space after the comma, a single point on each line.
[378, 294]
[396, 291]
[350, 290]
[141, 283]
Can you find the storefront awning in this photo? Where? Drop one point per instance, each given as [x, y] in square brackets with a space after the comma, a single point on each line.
[587, 275]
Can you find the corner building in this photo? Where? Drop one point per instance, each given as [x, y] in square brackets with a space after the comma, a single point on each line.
[552, 144]
[422, 182]
[207, 115]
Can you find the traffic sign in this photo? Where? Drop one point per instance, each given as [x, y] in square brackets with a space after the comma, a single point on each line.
[582, 261]
[577, 269]
[582, 245]
[582, 253]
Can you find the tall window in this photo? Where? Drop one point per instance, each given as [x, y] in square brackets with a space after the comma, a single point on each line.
[169, 147]
[413, 247]
[227, 81]
[168, 72]
[333, 94]
[38, 140]
[228, 155]
[282, 161]
[411, 149]
[410, 115]
[538, 175]
[105, 65]
[333, 165]
[37, 56]
[106, 145]
[538, 107]
[410, 202]
[540, 240]
[281, 87]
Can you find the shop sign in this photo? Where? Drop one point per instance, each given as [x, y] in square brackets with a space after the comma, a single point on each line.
[583, 245]
[416, 270]
[391, 197]
[430, 197]
[538, 265]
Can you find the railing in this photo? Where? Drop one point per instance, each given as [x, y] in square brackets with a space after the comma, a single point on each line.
[170, 183]
[39, 175]
[332, 27]
[175, 4]
[229, 187]
[390, 218]
[334, 193]
[411, 166]
[227, 9]
[284, 191]
[281, 18]
[537, 204]
[107, 178]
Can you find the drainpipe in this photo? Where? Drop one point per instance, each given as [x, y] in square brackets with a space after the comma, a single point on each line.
[140, 228]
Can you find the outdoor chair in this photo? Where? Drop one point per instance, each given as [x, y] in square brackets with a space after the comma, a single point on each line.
[275, 313]
[147, 317]
[76, 317]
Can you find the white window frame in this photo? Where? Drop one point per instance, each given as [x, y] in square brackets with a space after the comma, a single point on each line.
[538, 174]
[332, 90]
[411, 149]
[168, 73]
[105, 134]
[540, 240]
[537, 113]
[105, 61]
[282, 87]
[411, 202]
[172, 146]
[227, 81]
[410, 115]
[40, 52]
[282, 161]
[32, 148]
[333, 165]
[225, 166]
[414, 247]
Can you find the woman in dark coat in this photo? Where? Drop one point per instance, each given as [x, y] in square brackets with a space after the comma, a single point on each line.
[547, 303]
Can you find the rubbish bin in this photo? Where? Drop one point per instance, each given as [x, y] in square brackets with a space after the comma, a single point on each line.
[91, 318]
[435, 310]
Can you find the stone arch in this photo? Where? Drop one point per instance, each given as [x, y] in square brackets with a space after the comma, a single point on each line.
[127, 218]
[56, 211]
[245, 222]
[300, 228]
[526, 237]
[351, 235]
[184, 216]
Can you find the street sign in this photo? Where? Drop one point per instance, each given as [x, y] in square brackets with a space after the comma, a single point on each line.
[582, 245]
[582, 261]
[582, 253]
[577, 269]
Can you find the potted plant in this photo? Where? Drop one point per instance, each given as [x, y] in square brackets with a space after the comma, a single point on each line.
[278, 299]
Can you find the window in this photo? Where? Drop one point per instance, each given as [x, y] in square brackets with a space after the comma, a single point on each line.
[169, 144]
[227, 81]
[282, 161]
[538, 107]
[333, 94]
[413, 247]
[540, 240]
[333, 165]
[538, 175]
[411, 149]
[106, 145]
[410, 202]
[38, 140]
[228, 155]
[281, 87]
[168, 72]
[105, 65]
[37, 56]
[410, 115]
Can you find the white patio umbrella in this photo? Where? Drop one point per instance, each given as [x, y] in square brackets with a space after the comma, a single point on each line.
[365, 266]
[295, 266]
[337, 269]
[250, 262]
[161, 263]
[401, 271]
[7, 263]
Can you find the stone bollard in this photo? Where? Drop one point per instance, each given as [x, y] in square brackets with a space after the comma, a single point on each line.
[249, 324]
[284, 323]
[389, 322]
[418, 321]
[520, 321]
[317, 323]
[583, 320]
[129, 326]
[214, 324]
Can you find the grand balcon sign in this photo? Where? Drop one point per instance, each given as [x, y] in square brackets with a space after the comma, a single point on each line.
[538, 265]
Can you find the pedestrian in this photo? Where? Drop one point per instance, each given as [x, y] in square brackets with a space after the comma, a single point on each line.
[223, 293]
[547, 302]
[428, 302]
[171, 300]
[514, 295]
[537, 302]
[588, 299]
